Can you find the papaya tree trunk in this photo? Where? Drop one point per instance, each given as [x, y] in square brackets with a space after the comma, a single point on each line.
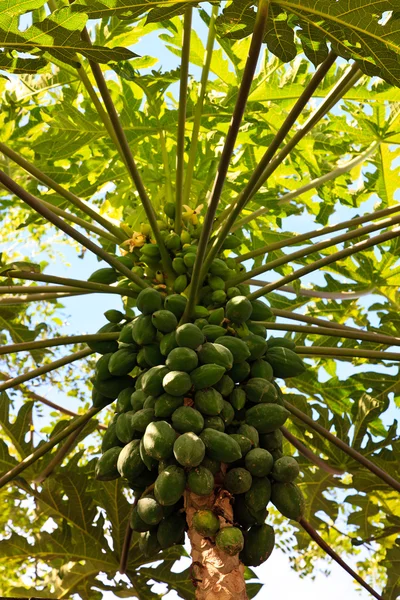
[216, 575]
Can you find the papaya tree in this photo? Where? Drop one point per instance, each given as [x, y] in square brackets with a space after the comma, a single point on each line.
[244, 390]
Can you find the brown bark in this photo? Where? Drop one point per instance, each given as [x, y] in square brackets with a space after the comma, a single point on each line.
[216, 575]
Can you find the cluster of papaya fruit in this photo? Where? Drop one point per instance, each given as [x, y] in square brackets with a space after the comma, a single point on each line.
[197, 407]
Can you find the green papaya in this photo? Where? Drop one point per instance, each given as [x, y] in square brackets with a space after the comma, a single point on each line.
[217, 316]
[256, 344]
[177, 383]
[230, 540]
[141, 419]
[261, 311]
[206, 376]
[200, 312]
[170, 485]
[257, 329]
[200, 481]
[285, 363]
[201, 323]
[180, 283]
[152, 355]
[148, 301]
[169, 209]
[225, 386]
[143, 330]
[272, 441]
[244, 516]
[239, 372]
[259, 542]
[129, 464]
[206, 523]
[238, 398]
[164, 320]
[113, 386]
[166, 404]
[216, 354]
[110, 438]
[137, 524]
[208, 401]
[102, 370]
[106, 346]
[238, 309]
[261, 368]
[213, 332]
[148, 543]
[220, 446]
[149, 510]
[124, 400]
[159, 439]
[216, 283]
[250, 432]
[168, 343]
[182, 359]
[266, 417]
[138, 398]
[98, 400]
[150, 402]
[227, 413]
[239, 349]
[124, 427]
[175, 303]
[189, 336]
[150, 462]
[214, 423]
[285, 469]
[178, 265]
[152, 380]
[125, 336]
[114, 316]
[259, 494]
[260, 390]
[218, 297]
[171, 530]
[244, 443]
[106, 466]
[281, 342]
[218, 267]
[232, 292]
[212, 465]
[231, 242]
[288, 499]
[186, 418]
[189, 450]
[122, 361]
[106, 276]
[259, 462]
[172, 241]
[238, 481]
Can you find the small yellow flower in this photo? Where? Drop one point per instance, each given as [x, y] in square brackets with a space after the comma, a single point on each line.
[136, 241]
[190, 214]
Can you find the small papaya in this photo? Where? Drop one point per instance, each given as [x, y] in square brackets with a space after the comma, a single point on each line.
[256, 344]
[261, 311]
[143, 330]
[220, 446]
[280, 342]
[216, 354]
[189, 336]
[266, 417]
[260, 390]
[175, 303]
[170, 485]
[230, 540]
[206, 523]
[177, 383]
[158, 440]
[165, 405]
[285, 469]
[259, 542]
[149, 510]
[106, 346]
[288, 499]
[208, 401]
[239, 349]
[206, 376]
[106, 276]
[152, 380]
[238, 481]
[182, 359]
[129, 463]
[122, 361]
[284, 362]
[189, 450]
[170, 530]
[164, 320]
[186, 418]
[148, 301]
[200, 481]
[238, 309]
[259, 462]
[259, 494]
[106, 466]
[239, 372]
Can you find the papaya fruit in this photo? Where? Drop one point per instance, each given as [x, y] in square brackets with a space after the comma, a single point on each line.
[266, 417]
[180, 283]
[143, 330]
[227, 413]
[177, 383]
[214, 423]
[106, 276]
[170, 485]
[285, 363]
[178, 265]
[110, 438]
[106, 466]
[175, 303]
[216, 283]
[288, 499]
[260, 390]
[230, 540]
[150, 402]
[138, 398]
[149, 510]
[257, 329]
[148, 301]
[125, 336]
[206, 376]
[158, 440]
[172, 241]
[219, 268]
[110, 388]
[152, 355]
[261, 311]
[141, 419]
[244, 443]
[189, 336]
[272, 441]
[201, 323]
[259, 542]
[200, 481]
[152, 380]
[137, 524]
[129, 463]
[106, 346]
[246, 517]
[102, 370]
[238, 398]
[213, 332]
[259, 494]
[239, 372]
[171, 530]
[238, 481]
[256, 344]
[114, 316]
[218, 297]
[206, 523]
[212, 465]
[148, 543]
[285, 469]
[182, 359]
[259, 462]
[124, 400]
[150, 462]
[261, 368]
[232, 292]
[239, 349]
[208, 401]
[124, 427]
[168, 343]
[216, 354]
[166, 404]
[164, 321]
[220, 446]
[169, 209]
[186, 418]
[98, 400]
[217, 317]
[225, 386]
[238, 309]
[280, 342]
[122, 361]
[189, 450]
[250, 432]
[231, 242]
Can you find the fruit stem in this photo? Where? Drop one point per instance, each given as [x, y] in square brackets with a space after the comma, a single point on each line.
[129, 160]
[180, 142]
[339, 353]
[58, 458]
[63, 192]
[318, 264]
[199, 105]
[241, 101]
[304, 237]
[312, 457]
[65, 281]
[322, 544]
[367, 336]
[33, 290]
[287, 258]
[125, 548]
[261, 174]
[48, 214]
[311, 293]
[58, 341]
[343, 446]
[39, 298]
[66, 360]
[287, 314]
[44, 448]
[315, 183]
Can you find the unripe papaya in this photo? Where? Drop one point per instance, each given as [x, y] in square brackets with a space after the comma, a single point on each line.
[122, 361]
[105, 276]
[148, 301]
[280, 342]
[152, 355]
[259, 462]
[213, 332]
[170, 530]
[159, 439]
[201, 481]
[261, 311]
[149, 510]
[137, 524]
[259, 542]
[182, 359]
[170, 485]
[177, 383]
[106, 466]
[216, 354]
[189, 336]
[285, 363]
[266, 417]
[189, 450]
[143, 330]
[214, 423]
[164, 320]
[129, 463]
[262, 368]
[225, 385]
[239, 372]
[152, 380]
[288, 499]
[238, 309]
[220, 446]
[166, 404]
[148, 543]
[114, 316]
[168, 343]
[238, 481]
[238, 348]
[230, 540]
[180, 284]
[256, 344]
[186, 418]
[244, 443]
[107, 346]
[206, 523]
[260, 390]
[259, 494]
[110, 438]
[175, 303]
[285, 469]
[209, 401]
